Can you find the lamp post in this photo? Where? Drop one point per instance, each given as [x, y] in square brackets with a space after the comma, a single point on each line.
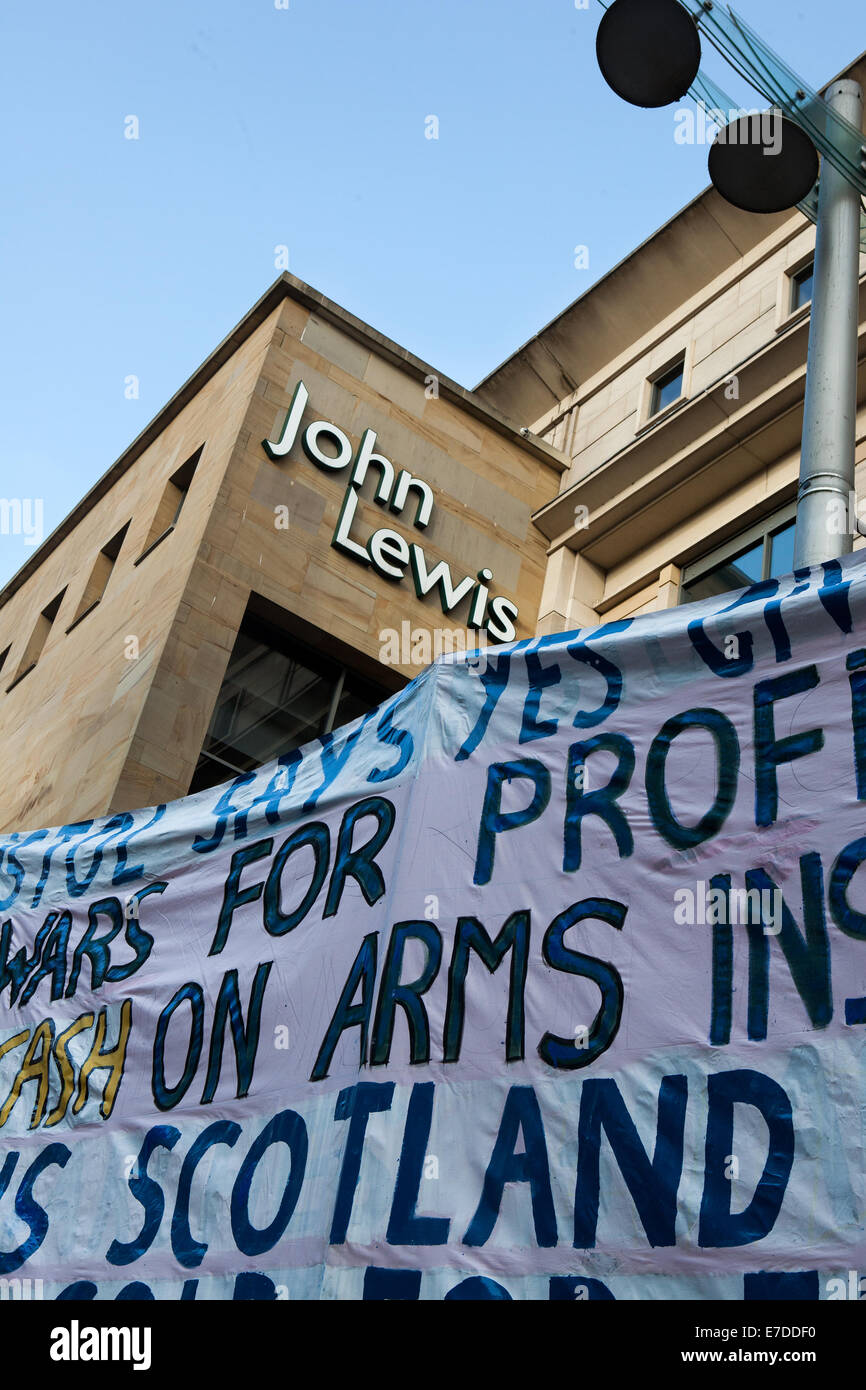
[830, 408]
[649, 53]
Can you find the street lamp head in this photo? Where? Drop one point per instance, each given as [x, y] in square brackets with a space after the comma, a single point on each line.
[763, 162]
[649, 51]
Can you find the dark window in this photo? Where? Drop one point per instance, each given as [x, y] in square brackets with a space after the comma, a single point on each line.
[667, 388]
[736, 573]
[801, 286]
[38, 637]
[171, 504]
[769, 554]
[99, 576]
[277, 694]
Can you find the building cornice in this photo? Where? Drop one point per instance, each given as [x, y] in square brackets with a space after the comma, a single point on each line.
[287, 286]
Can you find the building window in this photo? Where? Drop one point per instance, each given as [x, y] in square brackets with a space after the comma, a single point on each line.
[278, 693]
[99, 576]
[38, 638]
[801, 286]
[766, 551]
[667, 387]
[3, 656]
[170, 504]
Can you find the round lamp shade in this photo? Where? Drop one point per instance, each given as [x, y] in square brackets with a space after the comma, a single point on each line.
[649, 51]
[763, 163]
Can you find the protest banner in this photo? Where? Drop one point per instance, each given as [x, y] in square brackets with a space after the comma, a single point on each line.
[545, 980]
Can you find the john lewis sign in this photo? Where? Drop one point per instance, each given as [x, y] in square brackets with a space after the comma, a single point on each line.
[389, 553]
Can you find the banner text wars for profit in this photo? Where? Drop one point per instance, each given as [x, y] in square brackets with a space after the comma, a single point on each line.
[25, 968]
[809, 961]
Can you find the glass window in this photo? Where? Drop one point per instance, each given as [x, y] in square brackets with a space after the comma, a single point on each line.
[667, 388]
[782, 551]
[767, 554]
[801, 286]
[736, 573]
[277, 694]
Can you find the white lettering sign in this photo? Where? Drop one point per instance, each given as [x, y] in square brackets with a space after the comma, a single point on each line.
[389, 553]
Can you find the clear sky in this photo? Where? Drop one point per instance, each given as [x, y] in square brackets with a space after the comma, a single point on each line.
[261, 127]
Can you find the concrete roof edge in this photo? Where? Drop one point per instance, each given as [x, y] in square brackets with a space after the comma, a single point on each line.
[596, 285]
[286, 286]
[402, 357]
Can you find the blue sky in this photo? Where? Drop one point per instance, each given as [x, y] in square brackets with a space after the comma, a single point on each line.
[305, 127]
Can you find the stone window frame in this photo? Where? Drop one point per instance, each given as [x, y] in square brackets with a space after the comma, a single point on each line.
[785, 315]
[99, 576]
[171, 503]
[39, 635]
[647, 418]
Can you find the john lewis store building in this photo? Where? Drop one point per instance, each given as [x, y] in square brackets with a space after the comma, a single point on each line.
[286, 543]
[263, 564]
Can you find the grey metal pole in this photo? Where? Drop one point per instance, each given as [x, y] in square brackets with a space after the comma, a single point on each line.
[824, 527]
